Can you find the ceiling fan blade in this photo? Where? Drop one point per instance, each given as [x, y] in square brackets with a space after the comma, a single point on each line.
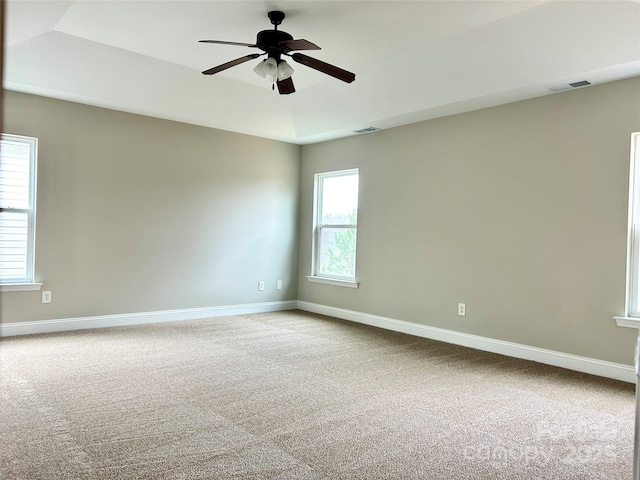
[230, 64]
[228, 43]
[323, 67]
[300, 44]
[285, 87]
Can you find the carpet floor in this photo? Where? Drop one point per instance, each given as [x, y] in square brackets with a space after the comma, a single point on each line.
[293, 395]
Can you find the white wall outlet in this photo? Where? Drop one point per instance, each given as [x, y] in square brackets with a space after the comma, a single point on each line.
[46, 297]
[261, 286]
[462, 309]
[279, 285]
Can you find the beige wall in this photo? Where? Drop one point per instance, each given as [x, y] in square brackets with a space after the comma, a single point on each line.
[519, 211]
[136, 214]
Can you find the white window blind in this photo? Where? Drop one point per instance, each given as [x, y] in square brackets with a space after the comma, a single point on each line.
[17, 208]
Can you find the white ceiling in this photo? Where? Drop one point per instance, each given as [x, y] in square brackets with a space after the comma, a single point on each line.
[413, 60]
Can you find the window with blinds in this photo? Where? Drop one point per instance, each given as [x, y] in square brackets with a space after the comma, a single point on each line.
[17, 208]
[633, 248]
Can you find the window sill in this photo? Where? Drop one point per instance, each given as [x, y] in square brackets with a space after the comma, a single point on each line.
[629, 322]
[20, 287]
[332, 281]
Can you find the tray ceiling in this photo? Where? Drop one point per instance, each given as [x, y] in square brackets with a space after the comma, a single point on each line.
[413, 60]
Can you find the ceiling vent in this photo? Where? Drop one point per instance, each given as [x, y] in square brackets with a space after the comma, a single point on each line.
[568, 86]
[367, 130]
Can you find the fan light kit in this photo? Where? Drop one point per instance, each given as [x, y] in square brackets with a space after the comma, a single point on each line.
[276, 43]
[273, 70]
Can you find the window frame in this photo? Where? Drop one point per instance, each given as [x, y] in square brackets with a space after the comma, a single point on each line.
[632, 301]
[318, 195]
[27, 282]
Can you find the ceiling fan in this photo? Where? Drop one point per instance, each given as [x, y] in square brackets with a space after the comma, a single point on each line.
[276, 43]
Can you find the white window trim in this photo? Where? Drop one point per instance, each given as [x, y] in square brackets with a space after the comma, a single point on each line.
[20, 287]
[27, 283]
[335, 280]
[631, 317]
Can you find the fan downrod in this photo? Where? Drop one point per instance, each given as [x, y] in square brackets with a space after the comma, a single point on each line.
[276, 17]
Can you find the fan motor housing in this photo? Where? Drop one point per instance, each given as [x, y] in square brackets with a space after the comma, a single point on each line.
[269, 41]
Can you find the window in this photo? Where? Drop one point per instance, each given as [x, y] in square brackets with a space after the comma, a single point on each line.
[17, 208]
[335, 227]
[633, 261]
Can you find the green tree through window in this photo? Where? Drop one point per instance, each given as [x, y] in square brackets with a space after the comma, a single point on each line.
[341, 256]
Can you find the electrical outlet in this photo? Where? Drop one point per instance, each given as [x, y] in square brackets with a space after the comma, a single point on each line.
[46, 297]
[260, 286]
[279, 285]
[462, 309]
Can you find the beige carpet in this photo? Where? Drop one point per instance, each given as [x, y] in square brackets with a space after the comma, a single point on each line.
[292, 395]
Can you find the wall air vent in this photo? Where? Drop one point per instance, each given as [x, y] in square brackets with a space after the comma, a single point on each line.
[367, 130]
[582, 83]
[568, 86]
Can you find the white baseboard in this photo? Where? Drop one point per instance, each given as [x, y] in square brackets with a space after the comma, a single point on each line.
[81, 323]
[617, 371]
[592, 366]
